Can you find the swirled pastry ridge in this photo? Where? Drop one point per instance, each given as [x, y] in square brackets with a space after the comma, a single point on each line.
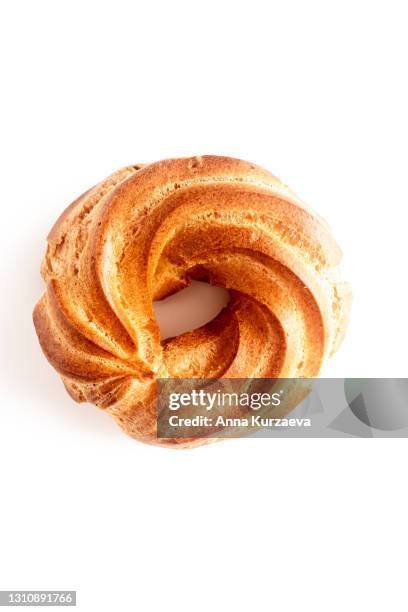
[144, 233]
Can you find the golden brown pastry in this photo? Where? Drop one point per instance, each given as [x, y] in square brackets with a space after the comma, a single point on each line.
[144, 233]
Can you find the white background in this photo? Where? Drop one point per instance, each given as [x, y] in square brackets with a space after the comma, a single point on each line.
[317, 93]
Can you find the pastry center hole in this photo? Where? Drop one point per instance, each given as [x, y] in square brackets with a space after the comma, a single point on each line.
[190, 308]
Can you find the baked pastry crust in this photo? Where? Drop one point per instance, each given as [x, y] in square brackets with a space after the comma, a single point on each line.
[145, 232]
